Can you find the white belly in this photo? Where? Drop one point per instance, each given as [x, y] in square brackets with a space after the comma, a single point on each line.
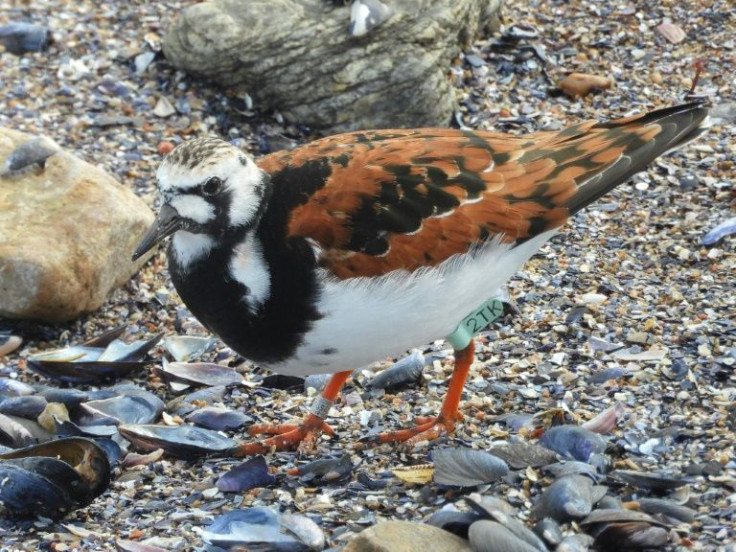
[366, 319]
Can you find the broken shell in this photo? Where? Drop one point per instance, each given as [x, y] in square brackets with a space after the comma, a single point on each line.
[40, 486]
[420, 474]
[255, 528]
[200, 373]
[488, 506]
[52, 478]
[84, 455]
[630, 536]
[573, 442]
[453, 520]
[367, 482]
[490, 536]
[123, 409]
[522, 455]
[187, 347]
[112, 449]
[326, 469]
[105, 338]
[516, 422]
[598, 518]
[519, 31]
[34, 152]
[634, 354]
[607, 374]
[123, 545]
[630, 530]
[406, 371]
[649, 481]
[14, 388]
[466, 467]
[65, 428]
[133, 459]
[496, 509]
[726, 228]
[68, 397]
[366, 15]
[598, 344]
[567, 498]
[606, 421]
[27, 406]
[104, 357]
[18, 432]
[181, 441]
[304, 529]
[218, 418]
[75, 353]
[667, 508]
[118, 350]
[573, 467]
[185, 404]
[549, 531]
[251, 474]
[575, 543]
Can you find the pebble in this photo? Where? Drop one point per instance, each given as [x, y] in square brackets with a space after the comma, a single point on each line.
[576, 85]
[142, 61]
[624, 260]
[9, 343]
[403, 536]
[20, 38]
[163, 108]
[638, 54]
[164, 148]
[671, 32]
[210, 493]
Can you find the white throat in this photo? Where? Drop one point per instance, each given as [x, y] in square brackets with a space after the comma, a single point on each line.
[189, 248]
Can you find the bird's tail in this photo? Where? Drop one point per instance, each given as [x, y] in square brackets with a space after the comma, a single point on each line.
[633, 143]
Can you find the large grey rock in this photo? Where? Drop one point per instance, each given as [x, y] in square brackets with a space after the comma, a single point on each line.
[67, 232]
[403, 536]
[296, 56]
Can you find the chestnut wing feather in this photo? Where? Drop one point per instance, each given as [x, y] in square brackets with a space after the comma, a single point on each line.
[403, 199]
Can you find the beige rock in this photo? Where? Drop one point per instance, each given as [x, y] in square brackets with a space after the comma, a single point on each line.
[298, 57]
[403, 536]
[671, 32]
[68, 230]
[581, 84]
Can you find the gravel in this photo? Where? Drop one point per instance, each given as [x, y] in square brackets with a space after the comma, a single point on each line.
[104, 91]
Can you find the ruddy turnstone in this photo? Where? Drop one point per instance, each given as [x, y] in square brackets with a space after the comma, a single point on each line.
[359, 246]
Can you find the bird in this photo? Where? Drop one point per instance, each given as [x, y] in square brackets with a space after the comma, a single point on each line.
[359, 246]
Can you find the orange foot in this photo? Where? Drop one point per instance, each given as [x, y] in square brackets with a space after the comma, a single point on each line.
[286, 436]
[427, 429]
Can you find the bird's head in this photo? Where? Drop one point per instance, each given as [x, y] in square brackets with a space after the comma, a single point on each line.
[209, 190]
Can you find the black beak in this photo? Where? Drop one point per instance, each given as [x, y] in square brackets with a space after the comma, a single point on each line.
[167, 222]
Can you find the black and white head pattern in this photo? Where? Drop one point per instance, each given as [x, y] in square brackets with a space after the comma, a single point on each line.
[219, 194]
[216, 189]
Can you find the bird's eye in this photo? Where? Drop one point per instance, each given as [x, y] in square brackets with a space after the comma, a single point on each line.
[212, 186]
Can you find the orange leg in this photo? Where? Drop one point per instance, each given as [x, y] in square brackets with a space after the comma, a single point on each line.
[303, 435]
[432, 428]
